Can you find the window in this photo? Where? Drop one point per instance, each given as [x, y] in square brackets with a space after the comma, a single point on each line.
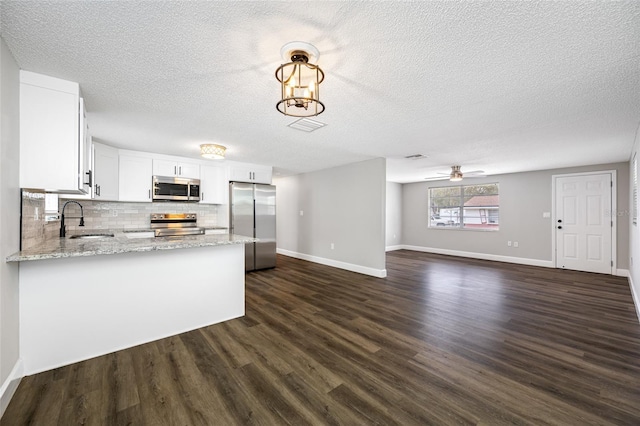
[467, 206]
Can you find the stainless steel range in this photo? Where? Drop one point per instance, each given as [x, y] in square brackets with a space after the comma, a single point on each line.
[171, 224]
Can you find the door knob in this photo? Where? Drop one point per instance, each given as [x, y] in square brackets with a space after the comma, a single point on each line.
[559, 227]
[559, 220]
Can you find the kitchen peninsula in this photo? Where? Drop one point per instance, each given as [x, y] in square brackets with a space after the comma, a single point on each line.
[84, 298]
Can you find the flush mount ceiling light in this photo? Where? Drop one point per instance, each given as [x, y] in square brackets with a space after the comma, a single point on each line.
[212, 151]
[300, 80]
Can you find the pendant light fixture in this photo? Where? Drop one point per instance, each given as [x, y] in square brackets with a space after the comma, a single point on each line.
[212, 151]
[300, 80]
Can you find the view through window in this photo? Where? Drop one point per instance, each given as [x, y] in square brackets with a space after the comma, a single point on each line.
[466, 206]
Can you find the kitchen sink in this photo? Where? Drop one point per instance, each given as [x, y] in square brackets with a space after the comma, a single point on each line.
[90, 236]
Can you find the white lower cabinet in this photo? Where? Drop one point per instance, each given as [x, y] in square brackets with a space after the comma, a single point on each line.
[135, 178]
[105, 173]
[214, 185]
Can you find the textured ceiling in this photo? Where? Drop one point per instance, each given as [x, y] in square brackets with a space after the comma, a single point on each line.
[496, 86]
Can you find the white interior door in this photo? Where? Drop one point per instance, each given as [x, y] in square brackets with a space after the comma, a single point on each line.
[583, 222]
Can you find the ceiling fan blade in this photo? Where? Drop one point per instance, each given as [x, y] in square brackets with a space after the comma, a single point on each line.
[454, 169]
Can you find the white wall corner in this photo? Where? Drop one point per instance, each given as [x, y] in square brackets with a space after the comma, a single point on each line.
[10, 386]
[378, 273]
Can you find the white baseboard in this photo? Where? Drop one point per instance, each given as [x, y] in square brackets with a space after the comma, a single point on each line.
[483, 256]
[392, 248]
[621, 272]
[10, 385]
[378, 273]
[635, 296]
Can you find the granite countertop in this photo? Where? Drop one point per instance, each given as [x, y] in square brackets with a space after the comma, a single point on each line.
[120, 243]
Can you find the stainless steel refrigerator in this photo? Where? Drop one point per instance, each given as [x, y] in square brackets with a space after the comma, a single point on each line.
[252, 212]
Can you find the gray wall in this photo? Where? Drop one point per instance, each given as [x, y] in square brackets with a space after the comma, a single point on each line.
[9, 212]
[634, 234]
[523, 199]
[393, 214]
[344, 205]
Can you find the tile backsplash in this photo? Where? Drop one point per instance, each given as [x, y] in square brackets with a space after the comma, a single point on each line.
[34, 227]
[106, 215]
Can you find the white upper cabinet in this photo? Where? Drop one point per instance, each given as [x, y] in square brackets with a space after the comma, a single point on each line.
[175, 168]
[135, 177]
[52, 135]
[240, 172]
[105, 173]
[86, 147]
[214, 185]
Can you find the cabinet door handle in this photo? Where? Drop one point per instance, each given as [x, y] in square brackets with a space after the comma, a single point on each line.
[175, 170]
[90, 183]
[180, 170]
[149, 194]
[202, 196]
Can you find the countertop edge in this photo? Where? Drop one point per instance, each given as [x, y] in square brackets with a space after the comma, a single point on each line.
[125, 245]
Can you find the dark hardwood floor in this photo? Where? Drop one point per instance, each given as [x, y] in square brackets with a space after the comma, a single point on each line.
[442, 340]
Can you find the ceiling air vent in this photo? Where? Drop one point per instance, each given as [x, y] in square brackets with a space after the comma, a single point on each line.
[415, 157]
[306, 125]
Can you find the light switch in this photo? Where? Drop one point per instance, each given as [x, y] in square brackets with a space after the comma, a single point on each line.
[546, 215]
[301, 213]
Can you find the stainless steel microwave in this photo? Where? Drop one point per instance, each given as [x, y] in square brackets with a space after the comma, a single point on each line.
[167, 188]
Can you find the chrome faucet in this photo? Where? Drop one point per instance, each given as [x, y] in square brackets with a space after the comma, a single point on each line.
[63, 231]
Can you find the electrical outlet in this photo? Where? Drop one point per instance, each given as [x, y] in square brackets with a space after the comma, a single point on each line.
[114, 213]
[515, 244]
[301, 212]
[332, 246]
[509, 243]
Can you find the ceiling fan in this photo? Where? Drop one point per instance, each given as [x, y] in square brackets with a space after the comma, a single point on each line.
[456, 174]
